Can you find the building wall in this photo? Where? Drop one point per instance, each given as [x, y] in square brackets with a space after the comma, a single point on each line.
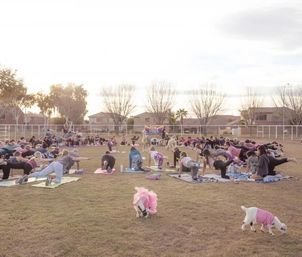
[105, 123]
[146, 119]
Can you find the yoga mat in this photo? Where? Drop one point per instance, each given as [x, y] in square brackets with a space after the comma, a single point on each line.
[100, 171]
[155, 168]
[12, 182]
[129, 170]
[54, 185]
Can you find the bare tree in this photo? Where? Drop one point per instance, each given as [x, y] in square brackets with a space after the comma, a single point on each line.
[251, 101]
[160, 100]
[119, 103]
[290, 97]
[205, 103]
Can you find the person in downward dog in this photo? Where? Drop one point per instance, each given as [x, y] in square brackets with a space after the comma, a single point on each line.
[157, 157]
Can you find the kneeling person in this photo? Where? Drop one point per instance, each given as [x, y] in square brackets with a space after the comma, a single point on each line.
[108, 162]
[135, 160]
[188, 164]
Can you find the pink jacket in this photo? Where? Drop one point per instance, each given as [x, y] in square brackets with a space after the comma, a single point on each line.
[149, 199]
[264, 217]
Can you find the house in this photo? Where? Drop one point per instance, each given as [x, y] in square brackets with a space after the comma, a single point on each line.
[146, 119]
[268, 115]
[11, 115]
[103, 122]
[216, 124]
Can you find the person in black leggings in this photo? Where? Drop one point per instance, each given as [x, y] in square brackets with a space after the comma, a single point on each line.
[273, 162]
[108, 161]
[222, 166]
[176, 156]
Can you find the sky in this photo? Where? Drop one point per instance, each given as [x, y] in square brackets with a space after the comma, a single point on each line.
[231, 44]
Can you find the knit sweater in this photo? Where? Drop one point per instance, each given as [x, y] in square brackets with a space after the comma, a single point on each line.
[264, 217]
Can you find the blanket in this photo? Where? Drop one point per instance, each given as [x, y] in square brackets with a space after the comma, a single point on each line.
[201, 179]
[247, 178]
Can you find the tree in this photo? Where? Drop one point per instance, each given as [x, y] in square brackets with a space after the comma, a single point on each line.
[180, 114]
[290, 96]
[13, 93]
[206, 102]
[46, 105]
[172, 120]
[160, 100]
[251, 102]
[130, 124]
[69, 101]
[118, 102]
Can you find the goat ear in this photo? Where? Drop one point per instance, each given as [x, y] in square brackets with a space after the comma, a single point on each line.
[276, 219]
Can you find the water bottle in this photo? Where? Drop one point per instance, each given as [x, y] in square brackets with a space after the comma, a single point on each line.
[121, 168]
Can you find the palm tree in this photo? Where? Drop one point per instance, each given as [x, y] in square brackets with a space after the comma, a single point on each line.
[180, 114]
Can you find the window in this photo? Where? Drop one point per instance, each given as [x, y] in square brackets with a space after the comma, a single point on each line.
[2, 116]
[261, 117]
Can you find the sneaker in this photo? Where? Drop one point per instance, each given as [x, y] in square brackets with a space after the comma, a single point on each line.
[22, 180]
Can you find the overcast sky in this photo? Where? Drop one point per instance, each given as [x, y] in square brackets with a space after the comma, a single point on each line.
[233, 44]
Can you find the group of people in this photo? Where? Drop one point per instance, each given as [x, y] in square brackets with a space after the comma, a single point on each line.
[259, 160]
[38, 161]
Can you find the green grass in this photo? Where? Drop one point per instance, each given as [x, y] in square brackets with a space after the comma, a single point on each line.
[95, 217]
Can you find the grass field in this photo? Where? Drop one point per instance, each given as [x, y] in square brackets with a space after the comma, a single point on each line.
[95, 217]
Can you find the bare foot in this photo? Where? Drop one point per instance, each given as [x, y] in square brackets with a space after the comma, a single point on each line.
[292, 159]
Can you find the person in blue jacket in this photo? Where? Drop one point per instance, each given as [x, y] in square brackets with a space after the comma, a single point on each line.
[135, 160]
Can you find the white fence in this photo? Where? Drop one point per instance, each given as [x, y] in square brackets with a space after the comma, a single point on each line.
[280, 132]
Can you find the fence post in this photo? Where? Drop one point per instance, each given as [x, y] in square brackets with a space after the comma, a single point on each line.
[269, 131]
[292, 133]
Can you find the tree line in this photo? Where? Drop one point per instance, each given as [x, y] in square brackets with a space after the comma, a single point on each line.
[69, 101]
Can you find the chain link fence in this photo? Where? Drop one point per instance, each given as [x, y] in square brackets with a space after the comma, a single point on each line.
[273, 132]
